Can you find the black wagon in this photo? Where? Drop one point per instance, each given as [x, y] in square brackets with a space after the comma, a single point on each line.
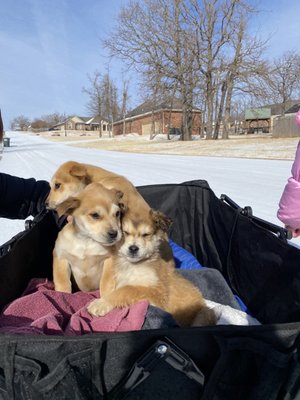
[220, 362]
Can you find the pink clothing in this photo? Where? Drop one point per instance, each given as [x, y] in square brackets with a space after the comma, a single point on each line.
[289, 205]
[42, 310]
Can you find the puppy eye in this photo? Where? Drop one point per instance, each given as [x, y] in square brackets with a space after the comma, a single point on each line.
[95, 215]
[146, 234]
[57, 185]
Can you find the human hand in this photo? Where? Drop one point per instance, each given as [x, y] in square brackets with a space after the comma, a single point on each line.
[295, 232]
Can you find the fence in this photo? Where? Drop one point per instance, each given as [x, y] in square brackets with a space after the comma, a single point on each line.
[285, 127]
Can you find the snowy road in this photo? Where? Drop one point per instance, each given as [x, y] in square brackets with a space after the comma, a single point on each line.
[258, 183]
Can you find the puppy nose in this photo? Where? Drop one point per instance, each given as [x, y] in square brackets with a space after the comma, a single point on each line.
[133, 249]
[112, 234]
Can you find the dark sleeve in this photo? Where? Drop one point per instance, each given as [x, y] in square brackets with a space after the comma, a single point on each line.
[20, 198]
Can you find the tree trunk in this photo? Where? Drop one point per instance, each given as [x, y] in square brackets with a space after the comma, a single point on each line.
[112, 125]
[187, 121]
[152, 131]
[203, 121]
[1, 128]
[210, 107]
[124, 125]
[226, 122]
[220, 111]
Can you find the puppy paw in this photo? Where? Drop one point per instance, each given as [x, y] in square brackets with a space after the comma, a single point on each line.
[99, 307]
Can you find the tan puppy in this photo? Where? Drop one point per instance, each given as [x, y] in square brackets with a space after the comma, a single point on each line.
[143, 267]
[72, 177]
[83, 244]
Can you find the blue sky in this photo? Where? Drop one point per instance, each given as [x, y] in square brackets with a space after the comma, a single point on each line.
[47, 48]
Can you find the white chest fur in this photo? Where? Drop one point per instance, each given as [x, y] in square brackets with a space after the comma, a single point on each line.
[85, 257]
[135, 274]
[77, 246]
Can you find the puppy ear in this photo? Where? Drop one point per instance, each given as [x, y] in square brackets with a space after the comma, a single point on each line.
[123, 208]
[68, 206]
[78, 170]
[119, 195]
[161, 220]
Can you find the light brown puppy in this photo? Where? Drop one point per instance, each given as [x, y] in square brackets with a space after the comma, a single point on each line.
[72, 177]
[142, 268]
[84, 243]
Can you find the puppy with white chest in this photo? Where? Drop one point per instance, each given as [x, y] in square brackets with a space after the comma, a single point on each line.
[142, 268]
[87, 241]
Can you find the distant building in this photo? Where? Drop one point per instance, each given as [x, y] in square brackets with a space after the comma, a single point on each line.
[261, 119]
[284, 125]
[76, 123]
[258, 120]
[153, 118]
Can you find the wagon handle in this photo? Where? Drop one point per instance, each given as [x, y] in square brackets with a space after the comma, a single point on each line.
[279, 231]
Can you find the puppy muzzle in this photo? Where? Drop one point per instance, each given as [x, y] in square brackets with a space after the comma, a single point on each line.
[112, 237]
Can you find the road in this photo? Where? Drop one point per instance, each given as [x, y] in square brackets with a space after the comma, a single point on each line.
[258, 183]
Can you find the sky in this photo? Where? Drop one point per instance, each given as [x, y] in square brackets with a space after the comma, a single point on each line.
[48, 48]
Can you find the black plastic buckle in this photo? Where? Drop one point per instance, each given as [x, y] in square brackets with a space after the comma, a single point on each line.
[162, 350]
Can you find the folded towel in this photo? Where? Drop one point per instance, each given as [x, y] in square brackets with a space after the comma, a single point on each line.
[42, 310]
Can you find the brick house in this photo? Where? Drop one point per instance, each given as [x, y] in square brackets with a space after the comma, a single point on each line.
[150, 118]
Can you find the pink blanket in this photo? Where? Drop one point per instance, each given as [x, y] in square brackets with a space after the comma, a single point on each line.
[41, 310]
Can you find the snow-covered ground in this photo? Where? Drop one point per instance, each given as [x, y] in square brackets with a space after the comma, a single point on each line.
[258, 183]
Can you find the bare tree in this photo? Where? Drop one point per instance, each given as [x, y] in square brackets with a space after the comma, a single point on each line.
[39, 124]
[219, 39]
[54, 118]
[197, 47]
[103, 99]
[246, 64]
[47, 121]
[95, 93]
[110, 107]
[283, 81]
[124, 105]
[151, 37]
[21, 122]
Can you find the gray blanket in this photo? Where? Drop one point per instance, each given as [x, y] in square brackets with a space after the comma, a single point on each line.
[213, 287]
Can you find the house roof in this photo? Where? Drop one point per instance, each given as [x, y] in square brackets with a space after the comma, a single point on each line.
[273, 109]
[294, 109]
[258, 113]
[95, 120]
[276, 109]
[151, 105]
[85, 120]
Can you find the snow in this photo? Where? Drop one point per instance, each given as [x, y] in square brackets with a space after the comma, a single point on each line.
[249, 182]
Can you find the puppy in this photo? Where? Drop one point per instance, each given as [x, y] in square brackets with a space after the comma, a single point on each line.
[142, 268]
[72, 177]
[85, 242]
